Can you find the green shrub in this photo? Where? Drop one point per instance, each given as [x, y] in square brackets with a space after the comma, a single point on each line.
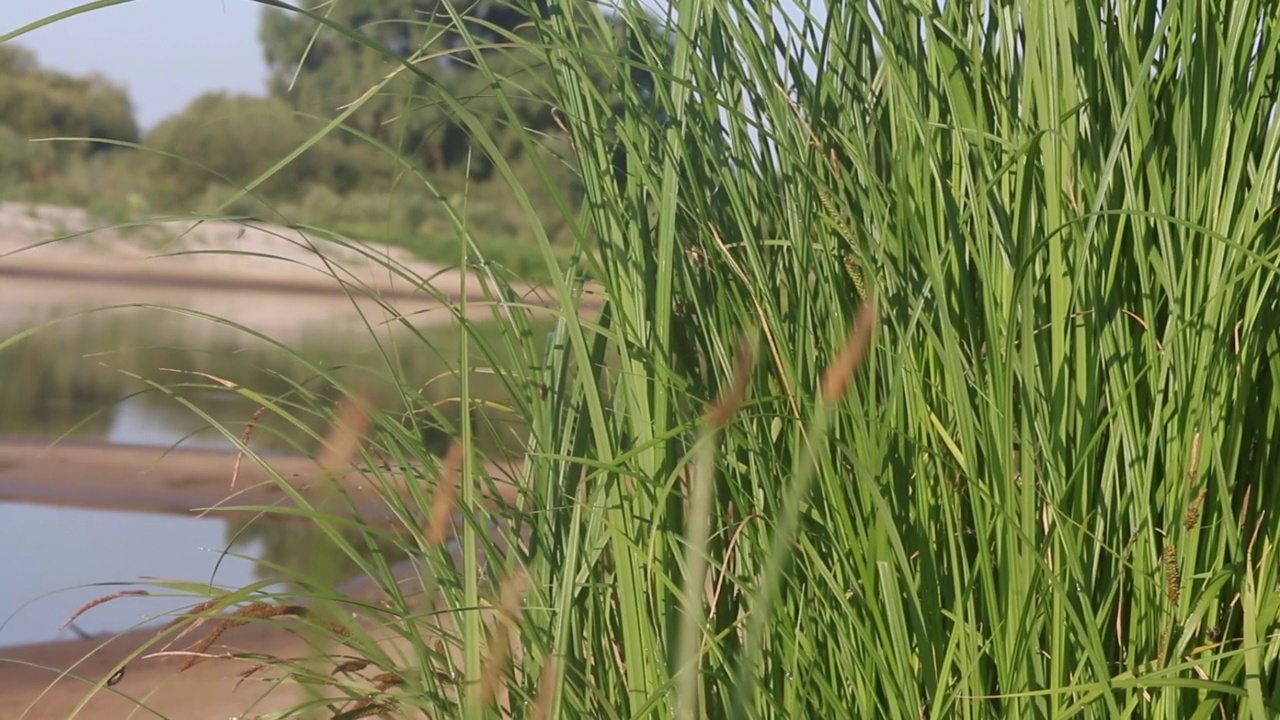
[235, 138]
[39, 102]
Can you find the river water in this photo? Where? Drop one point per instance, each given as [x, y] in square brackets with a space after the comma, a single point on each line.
[133, 376]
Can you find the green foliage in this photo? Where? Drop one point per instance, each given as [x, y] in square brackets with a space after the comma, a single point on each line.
[25, 162]
[317, 69]
[1048, 490]
[403, 148]
[421, 114]
[37, 102]
[235, 138]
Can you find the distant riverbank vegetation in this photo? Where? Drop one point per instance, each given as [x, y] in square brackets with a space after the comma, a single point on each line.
[381, 177]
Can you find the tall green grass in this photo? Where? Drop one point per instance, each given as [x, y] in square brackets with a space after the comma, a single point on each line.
[1049, 490]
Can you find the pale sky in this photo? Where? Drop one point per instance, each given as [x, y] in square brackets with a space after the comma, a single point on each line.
[165, 51]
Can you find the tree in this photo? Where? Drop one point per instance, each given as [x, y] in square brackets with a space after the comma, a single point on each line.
[39, 102]
[239, 137]
[317, 70]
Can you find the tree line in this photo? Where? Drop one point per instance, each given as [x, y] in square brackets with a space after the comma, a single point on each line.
[364, 179]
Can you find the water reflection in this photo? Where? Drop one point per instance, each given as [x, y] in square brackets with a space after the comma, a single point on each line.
[49, 553]
[149, 377]
[139, 376]
[138, 420]
[302, 555]
[114, 376]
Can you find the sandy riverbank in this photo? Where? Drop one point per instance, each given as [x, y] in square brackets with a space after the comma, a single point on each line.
[33, 685]
[56, 260]
[151, 479]
[61, 243]
[58, 680]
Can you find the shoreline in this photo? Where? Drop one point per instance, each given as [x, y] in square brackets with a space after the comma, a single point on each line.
[39, 270]
[145, 478]
[215, 260]
[53, 680]
[273, 280]
[50, 680]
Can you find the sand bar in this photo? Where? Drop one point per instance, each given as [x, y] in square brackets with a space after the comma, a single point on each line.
[269, 277]
[61, 243]
[150, 479]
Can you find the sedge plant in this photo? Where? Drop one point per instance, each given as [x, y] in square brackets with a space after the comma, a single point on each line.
[1046, 491]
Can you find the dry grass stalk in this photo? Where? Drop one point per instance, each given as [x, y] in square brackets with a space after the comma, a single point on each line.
[272, 662]
[350, 666]
[244, 440]
[557, 117]
[196, 615]
[509, 601]
[191, 655]
[196, 610]
[446, 498]
[1193, 468]
[366, 707]
[342, 443]
[253, 611]
[772, 342]
[1257, 528]
[387, 680]
[714, 595]
[852, 354]
[366, 710]
[729, 402]
[98, 601]
[546, 691]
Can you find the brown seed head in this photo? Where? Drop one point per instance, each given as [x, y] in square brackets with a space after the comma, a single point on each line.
[98, 601]
[252, 611]
[439, 524]
[841, 371]
[1193, 512]
[727, 406]
[343, 440]
[1193, 468]
[509, 600]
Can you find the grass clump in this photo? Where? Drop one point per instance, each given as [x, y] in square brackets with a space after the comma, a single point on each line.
[1045, 492]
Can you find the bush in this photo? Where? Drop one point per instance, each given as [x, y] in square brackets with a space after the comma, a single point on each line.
[37, 102]
[234, 139]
